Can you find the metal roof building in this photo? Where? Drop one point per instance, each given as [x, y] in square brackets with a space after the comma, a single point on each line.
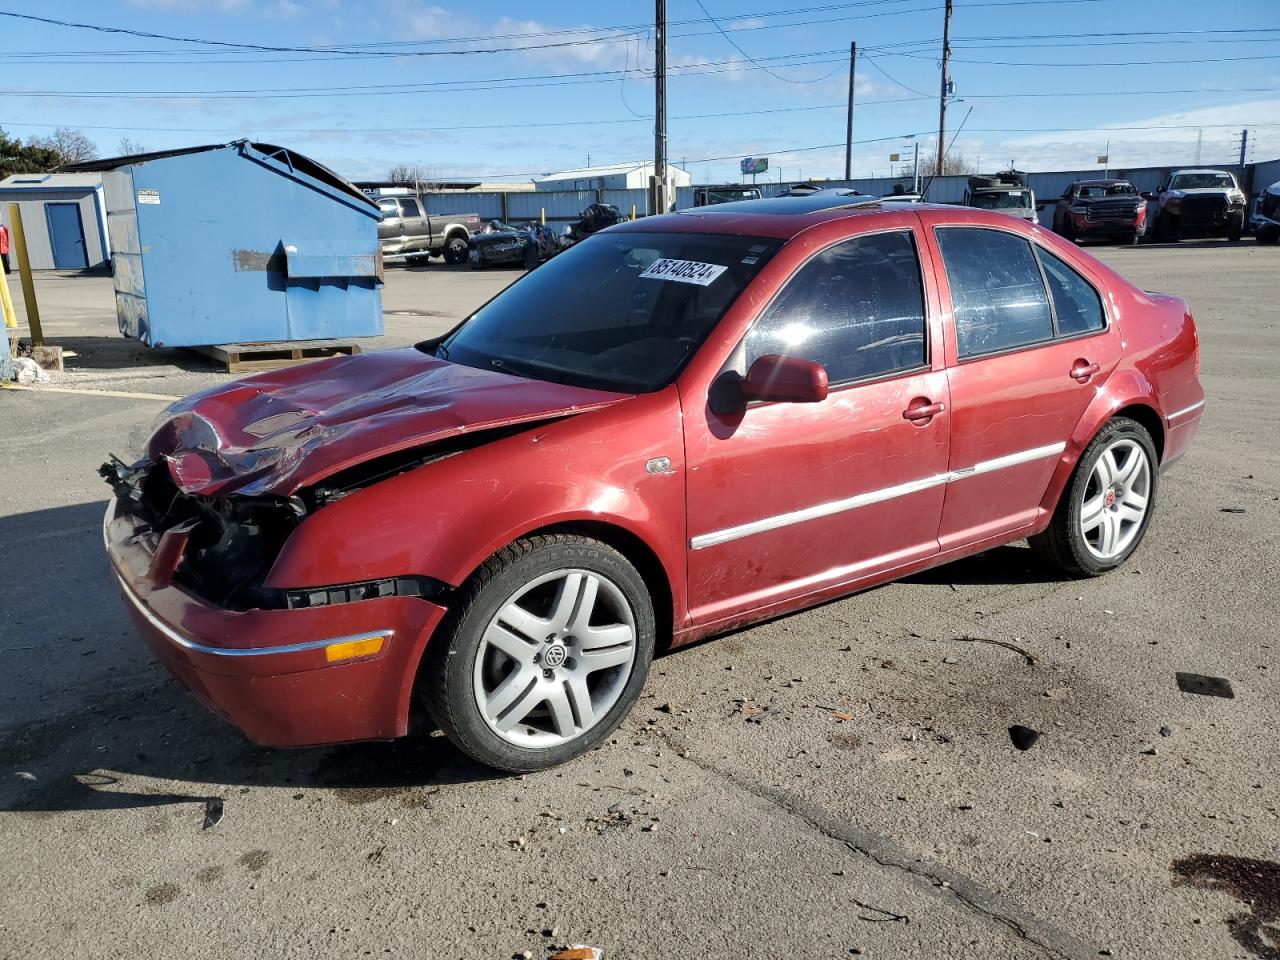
[619, 176]
[64, 217]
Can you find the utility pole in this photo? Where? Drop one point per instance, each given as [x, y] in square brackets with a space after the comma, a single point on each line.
[915, 170]
[942, 103]
[848, 131]
[1244, 144]
[659, 189]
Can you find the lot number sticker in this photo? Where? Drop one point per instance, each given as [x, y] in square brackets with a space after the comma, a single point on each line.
[683, 271]
[148, 196]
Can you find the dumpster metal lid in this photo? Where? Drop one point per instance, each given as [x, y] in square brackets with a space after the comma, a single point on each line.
[295, 160]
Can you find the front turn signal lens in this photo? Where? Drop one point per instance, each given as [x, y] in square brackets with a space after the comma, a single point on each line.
[350, 649]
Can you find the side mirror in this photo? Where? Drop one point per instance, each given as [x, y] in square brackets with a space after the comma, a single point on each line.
[784, 380]
[1147, 195]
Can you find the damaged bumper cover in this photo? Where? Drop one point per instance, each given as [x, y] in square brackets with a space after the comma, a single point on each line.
[269, 671]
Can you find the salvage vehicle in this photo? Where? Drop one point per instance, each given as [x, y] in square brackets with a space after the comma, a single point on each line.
[1265, 218]
[680, 426]
[595, 218]
[1101, 210]
[725, 193]
[1199, 203]
[500, 243]
[404, 230]
[1005, 192]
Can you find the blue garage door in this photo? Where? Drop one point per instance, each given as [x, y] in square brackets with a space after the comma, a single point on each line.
[66, 236]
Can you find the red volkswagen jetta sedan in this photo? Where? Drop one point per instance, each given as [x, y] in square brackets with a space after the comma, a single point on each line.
[681, 425]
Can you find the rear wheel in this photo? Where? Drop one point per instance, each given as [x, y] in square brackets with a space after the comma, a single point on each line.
[544, 654]
[1105, 509]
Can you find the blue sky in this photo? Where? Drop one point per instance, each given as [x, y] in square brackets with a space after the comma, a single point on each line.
[1022, 67]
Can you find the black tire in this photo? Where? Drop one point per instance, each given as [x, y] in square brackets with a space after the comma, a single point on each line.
[1134, 240]
[455, 249]
[530, 257]
[1063, 543]
[449, 668]
[1167, 230]
[1235, 229]
[1268, 234]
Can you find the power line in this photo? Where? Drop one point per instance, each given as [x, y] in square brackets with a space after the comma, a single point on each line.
[1088, 63]
[355, 51]
[733, 43]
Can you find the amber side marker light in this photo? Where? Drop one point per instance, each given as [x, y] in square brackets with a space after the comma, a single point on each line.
[350, 649]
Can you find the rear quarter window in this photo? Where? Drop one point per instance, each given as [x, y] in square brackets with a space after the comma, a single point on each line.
[1076, 304]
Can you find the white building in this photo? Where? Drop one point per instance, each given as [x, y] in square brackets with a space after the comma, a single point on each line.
[64, 217]
[620, 176]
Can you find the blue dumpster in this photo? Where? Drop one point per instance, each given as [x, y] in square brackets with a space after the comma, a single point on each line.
[239, 243]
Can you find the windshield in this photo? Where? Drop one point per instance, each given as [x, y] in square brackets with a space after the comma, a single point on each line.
[618, 311]
[1093, 190]
[1202, 181]
[1001, 200]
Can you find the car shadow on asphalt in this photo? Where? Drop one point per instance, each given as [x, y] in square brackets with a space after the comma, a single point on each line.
[1007, 565]
[134, 737]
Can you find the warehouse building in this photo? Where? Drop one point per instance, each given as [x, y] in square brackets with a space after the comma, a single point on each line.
[64, 217]
[620, 176]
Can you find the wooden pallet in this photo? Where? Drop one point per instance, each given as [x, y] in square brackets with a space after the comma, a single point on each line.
[239, 357]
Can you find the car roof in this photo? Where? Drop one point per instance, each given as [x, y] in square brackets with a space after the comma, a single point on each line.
[1201, 170]
[1104, 181]
[785, 217]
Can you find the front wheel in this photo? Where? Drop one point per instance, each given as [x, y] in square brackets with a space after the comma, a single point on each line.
[1105, 509]
[1267, 234]
[544, 654]
[1235, 228]
[455, 249]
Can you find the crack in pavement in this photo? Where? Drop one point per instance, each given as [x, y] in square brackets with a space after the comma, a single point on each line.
[886, 853]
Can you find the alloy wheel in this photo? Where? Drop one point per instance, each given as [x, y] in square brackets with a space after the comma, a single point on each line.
[1115, 499]
[555, 658]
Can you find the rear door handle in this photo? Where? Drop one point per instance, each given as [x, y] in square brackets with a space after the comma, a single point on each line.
[925, 411]
[1082, 370]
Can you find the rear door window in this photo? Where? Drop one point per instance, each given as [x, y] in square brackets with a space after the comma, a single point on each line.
[1076, 304]
[857, 308]
[997, 293]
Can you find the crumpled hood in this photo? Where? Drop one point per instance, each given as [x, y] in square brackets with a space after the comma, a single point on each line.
[277, 432]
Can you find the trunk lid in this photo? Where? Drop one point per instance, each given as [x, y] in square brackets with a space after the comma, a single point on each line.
[277, 432]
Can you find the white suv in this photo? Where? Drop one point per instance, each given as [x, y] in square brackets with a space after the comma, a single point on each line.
[1199, 203]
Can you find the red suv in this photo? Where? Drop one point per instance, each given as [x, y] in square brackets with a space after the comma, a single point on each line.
[684, 424]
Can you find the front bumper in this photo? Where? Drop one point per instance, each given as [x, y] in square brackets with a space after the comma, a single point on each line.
[266, 671]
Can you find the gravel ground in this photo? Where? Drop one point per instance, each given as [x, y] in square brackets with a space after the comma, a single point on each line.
[874, 808]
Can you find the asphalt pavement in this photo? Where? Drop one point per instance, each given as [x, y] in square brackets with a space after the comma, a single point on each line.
[836, 783]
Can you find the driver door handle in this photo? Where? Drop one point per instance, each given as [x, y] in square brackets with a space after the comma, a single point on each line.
[925, 411]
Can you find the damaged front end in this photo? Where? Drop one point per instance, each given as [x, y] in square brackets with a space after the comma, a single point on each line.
[232, 541]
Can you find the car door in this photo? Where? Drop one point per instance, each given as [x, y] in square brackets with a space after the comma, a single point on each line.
[788, 499]
[1032, 347]
[414, 231]
[388, 222]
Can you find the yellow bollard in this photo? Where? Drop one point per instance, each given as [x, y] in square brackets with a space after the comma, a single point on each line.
[633, 211]
[6, 302]
[24, 271]
[544, 215]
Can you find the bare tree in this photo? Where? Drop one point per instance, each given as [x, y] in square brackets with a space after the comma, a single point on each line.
[953, 163]
[129, 147]
[70, 145]
[407, 173]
